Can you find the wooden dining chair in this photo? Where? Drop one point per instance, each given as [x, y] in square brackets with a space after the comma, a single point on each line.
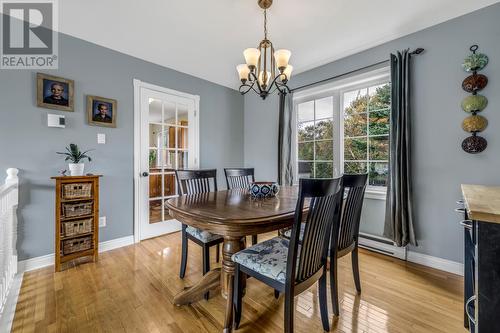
[286, 267]
[194, 182]
[345, 234]
[240, 178]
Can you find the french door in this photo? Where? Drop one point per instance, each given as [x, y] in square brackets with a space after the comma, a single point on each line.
[168, 141]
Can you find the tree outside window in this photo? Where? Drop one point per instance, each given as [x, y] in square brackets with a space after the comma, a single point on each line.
[366, 132]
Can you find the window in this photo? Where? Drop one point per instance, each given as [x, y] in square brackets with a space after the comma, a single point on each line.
[315, 138]
[366, 132]
[344, 126]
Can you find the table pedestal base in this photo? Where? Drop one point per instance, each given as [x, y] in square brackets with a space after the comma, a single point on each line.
[222, 277]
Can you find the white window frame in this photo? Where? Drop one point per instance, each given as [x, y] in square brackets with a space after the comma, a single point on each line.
[337, 89]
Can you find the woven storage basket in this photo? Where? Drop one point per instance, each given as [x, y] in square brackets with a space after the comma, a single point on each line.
[77, 190]
[76, 209]
[76, 227]
[77, 245]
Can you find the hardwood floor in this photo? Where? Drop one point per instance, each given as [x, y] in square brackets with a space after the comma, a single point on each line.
[131, 290]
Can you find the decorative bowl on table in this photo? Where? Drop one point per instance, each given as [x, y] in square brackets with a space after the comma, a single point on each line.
[264, 189]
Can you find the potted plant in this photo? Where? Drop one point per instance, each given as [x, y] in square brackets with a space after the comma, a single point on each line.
[76, 157]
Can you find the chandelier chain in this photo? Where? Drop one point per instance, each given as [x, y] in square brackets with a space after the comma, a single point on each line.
[265, 23]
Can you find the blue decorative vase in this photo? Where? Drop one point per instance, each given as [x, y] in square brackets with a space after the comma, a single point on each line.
[264, 189]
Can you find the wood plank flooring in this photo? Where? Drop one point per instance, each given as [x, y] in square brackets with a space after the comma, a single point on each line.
[131, 290]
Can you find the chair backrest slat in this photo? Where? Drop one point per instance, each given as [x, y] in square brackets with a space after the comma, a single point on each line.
[196, 181]
[239, 177]
[323, 196]
[346, 233]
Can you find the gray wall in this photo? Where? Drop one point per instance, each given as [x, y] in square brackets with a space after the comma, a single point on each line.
[440, 165]
[28, 144]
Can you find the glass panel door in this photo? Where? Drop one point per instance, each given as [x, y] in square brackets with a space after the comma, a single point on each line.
[168, 143]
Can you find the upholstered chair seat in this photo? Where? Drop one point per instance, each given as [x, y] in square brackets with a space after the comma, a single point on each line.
[267, 258]
[202, 235]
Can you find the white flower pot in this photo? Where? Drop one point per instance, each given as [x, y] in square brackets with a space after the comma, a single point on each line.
[76, 169]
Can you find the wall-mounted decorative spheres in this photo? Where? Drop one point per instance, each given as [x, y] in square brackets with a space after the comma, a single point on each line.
[475, 103]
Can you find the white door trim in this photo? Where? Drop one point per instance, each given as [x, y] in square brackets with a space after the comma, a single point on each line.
[138, 84]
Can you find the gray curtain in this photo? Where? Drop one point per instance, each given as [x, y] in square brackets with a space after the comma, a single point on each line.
[285, 167]
[399, 210]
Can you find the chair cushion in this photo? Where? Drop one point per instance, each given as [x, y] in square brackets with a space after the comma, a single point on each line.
[288, 232]
[267, 258]
[202, 235]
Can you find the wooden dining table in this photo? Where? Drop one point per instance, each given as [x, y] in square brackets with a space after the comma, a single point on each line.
[233, 214]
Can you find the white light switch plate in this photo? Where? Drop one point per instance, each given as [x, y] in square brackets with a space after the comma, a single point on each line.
[101, 138]
[102, 221]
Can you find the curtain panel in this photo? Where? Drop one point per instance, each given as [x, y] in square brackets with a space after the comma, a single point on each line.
[285, 166]
[399, 211]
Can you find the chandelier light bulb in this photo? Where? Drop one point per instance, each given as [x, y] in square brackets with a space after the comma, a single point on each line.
[243, 72]
[288, 72]
[264, 78]
[282, 57]
[252, 56]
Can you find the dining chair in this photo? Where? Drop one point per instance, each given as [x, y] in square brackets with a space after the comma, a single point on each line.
[284, 265]
[240, 178]
[194, 182]
[345, 234]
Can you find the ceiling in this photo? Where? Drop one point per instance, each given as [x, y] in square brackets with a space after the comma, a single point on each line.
[205, 38]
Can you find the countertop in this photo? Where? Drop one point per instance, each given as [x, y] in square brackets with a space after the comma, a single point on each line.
[482, 202]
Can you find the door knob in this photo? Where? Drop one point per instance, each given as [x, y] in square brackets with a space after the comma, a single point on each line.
[145, 174]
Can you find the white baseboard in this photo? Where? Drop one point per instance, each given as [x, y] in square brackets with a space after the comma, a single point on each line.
[48, 260]
[9, 308]
[435, 262]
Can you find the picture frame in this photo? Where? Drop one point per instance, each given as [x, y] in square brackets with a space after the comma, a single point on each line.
[55, 92]
[101, 111]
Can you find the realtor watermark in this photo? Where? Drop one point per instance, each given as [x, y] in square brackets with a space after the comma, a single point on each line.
[29, 34]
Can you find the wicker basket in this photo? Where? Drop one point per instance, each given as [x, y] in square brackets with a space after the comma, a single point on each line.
[77, 227]
[76, 245]
[76, 209]
[77, 191]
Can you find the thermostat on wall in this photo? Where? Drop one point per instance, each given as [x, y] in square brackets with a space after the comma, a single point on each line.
[55, 120]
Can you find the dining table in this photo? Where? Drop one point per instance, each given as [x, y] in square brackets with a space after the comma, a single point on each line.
[232, 214]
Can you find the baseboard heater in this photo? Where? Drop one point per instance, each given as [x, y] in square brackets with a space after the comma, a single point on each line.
[381, 245]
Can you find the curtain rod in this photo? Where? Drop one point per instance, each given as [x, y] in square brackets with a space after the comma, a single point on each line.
[415, 52]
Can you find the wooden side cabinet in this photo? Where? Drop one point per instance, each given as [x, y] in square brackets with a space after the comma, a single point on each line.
[76, 218]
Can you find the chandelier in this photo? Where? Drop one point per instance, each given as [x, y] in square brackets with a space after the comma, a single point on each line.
[262, 63]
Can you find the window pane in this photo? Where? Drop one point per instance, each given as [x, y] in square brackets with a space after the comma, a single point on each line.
[155, 111]
[324, 108]
[355, 167]
[378, 174]
[355, 101]
[305, 131]
[169, 112]
[355, 124]
[182, 114]
[154, 160]
[380, 97]
[324, 150]
[355, 149]
[155, 211]
[324, 129]
[323, 169]
[155, 134]
[379, 122]
[306, 151]
[379, 148]
[305, 111]
[305, 169]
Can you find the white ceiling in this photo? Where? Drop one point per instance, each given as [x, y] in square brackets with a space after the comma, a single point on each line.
[205, 38]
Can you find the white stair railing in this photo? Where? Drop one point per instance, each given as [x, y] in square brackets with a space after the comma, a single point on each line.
[9, 198]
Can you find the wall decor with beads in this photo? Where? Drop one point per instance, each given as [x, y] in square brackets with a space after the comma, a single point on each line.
[474, 103]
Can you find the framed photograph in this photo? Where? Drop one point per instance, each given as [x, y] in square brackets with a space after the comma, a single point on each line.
[54, 92]
[101, 111]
